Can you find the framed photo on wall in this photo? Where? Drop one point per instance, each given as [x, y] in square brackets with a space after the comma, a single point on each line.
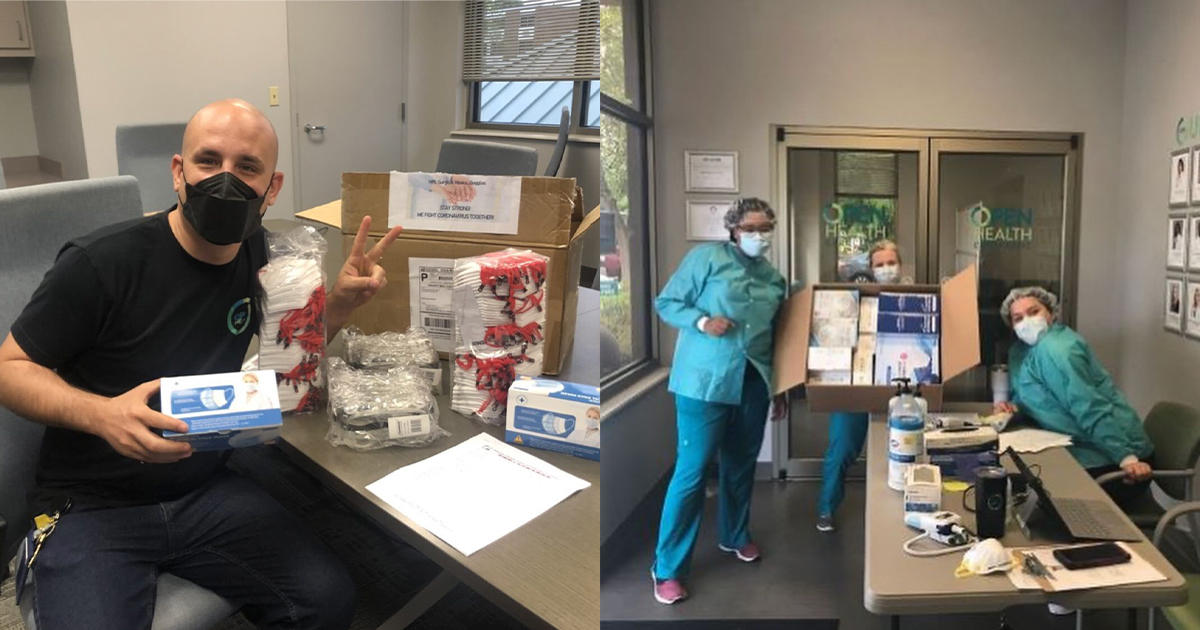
[1173, 305]
[711, 171]
[706, 219]
[1195, 175]
[1191, 307]
[1181, 177]
[1177, 238]
[1194, 243]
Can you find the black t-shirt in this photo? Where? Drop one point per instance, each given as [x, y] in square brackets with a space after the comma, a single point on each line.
[122, 306]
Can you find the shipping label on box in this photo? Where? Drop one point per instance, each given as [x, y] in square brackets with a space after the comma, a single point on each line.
[454, 203]
[223, 411]
[555, 416]
[430, 296]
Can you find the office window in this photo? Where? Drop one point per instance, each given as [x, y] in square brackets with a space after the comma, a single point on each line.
[626, 129]
[524, 61]
[867, 189]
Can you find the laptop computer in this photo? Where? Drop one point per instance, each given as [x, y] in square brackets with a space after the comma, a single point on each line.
[1085, 519]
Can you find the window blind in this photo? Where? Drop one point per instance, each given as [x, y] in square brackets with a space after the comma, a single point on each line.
[531, 40]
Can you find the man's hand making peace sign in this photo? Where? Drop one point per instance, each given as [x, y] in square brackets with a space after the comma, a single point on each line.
[360, 278]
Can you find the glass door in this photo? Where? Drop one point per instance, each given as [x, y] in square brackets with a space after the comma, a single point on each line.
[1003, 205]
[846, 193]
[1004, 202]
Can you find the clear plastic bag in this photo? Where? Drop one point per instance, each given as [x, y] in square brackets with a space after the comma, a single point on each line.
[292, 332]
[499, 319]
[381, 407]
[390, 349]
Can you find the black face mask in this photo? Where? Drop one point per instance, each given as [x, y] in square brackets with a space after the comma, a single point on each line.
[223, 209]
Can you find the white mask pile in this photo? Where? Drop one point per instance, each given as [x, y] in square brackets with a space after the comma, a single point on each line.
[499, 323]
[292, 332]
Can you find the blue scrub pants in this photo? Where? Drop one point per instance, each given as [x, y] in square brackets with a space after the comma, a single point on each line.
[847, 432]
[735, 434]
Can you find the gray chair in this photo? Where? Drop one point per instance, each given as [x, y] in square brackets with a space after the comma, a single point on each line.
[145, 151]
[37, 221]
[469, 157]
[564, 129]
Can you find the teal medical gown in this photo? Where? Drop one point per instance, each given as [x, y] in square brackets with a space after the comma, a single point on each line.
[1059, 383]
[722, 392]
[717, 279]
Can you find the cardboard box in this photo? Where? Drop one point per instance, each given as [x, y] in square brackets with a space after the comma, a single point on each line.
[220, 411]
[555, 416]
[551, 223]
[959, 346]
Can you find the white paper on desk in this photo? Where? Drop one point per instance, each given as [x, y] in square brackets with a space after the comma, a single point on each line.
[1032, 440]
[1137, 571]
[474, 493]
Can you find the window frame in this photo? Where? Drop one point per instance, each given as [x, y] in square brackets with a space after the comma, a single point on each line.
[641, 117]
[579, 95]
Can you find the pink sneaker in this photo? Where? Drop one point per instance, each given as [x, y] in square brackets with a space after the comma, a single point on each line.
[748, 553]
[668, 591]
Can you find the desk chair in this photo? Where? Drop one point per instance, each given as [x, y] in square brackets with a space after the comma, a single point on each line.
[145, 151]
[564, 128]
[1187, 616]
[37, 221]
[469, 157]
[1174, 430]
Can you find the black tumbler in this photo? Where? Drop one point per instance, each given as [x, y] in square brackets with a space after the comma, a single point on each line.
[991, 501]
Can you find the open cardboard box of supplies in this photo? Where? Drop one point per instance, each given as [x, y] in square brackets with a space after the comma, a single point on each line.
[420, 263]
[958, 344]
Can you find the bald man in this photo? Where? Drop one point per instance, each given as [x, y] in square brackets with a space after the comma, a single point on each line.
[168, 295]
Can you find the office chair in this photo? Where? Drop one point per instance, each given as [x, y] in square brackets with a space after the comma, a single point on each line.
[560, 145]
[469, 157]
[145, 151]
[1187, 616]
[38, 220]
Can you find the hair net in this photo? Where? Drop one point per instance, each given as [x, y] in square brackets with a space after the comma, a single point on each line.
[1048, 299]
[741, 207]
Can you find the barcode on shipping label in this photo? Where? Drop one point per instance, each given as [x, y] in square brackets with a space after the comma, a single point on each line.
[409, 426]
[438, 323]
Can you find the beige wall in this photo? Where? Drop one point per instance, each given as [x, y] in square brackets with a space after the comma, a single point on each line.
[17, 135]
[725, 70]
[435, 94]
[53, 91]
[1159, 90]
[148, 62]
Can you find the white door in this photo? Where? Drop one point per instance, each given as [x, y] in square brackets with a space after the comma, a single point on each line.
[347, 63]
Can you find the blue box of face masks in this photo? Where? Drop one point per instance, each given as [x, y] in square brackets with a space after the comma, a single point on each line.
[554, 416]
[908, 303]
[223, 411]
[909, 323]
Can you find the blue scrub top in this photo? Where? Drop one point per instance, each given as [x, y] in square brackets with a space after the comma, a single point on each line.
[1059, 383]
[718, 279]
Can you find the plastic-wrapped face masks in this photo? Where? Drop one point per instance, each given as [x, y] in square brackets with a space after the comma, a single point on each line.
[499, 319]
[389, 349]
[375, 408]
[292, 332]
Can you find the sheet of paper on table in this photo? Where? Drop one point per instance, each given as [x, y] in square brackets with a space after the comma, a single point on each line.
[1032, 440]
[476, 492]
[1137, 571]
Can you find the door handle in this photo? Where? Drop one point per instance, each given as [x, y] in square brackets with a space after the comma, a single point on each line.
[20, 31]
[309, 128]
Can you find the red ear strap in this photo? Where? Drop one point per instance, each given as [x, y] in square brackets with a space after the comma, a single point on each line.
[305, 325]
[495, 376]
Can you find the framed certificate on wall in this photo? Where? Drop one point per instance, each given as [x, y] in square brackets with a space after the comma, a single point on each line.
[1191, 306]
[1177, 239]
[706, 219]
[710, 171]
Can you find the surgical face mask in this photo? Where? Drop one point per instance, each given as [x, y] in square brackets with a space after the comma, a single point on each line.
[887, 274]
[593, 424]
[251, 387]
[755, 244]
[984, 557]
[1031, 329]
[223, 209]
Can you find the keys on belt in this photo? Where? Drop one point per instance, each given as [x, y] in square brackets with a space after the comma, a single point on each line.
[43, 526]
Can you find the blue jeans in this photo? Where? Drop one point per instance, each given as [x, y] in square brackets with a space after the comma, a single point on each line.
[734, 433]
[99, 567]
[847, 433]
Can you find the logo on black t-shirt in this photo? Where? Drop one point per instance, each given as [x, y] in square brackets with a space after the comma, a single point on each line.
[239, 316]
